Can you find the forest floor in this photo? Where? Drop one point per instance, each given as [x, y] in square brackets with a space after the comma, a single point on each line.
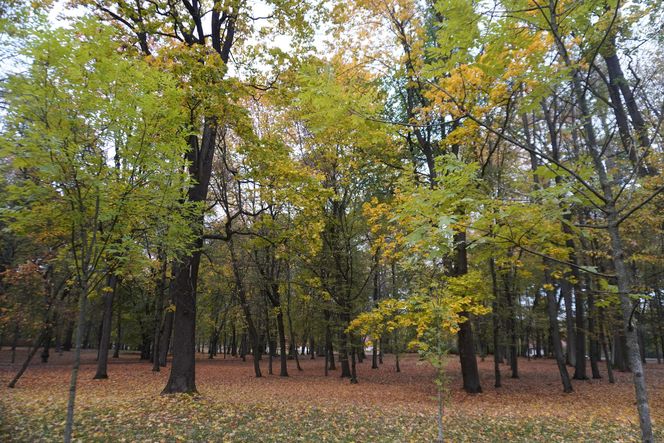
[385, 406]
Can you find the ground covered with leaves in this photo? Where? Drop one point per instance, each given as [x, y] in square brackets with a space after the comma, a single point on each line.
[385, 406]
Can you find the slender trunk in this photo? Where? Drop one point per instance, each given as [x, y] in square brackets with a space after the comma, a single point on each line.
[242, 297]
[613, 221]
[628, 308]
[158, 314]
[609, 367]
[290, 319]
[496, 324]
[511, 326]
[82, 304]
[594, 345]
[102, 361]
[329, 347]
[165, 338]
[118, 331]
[327, 358]
[270, 343]
[31, 354]
[570, 353]
[15, 342]
[283, 355]
[552, 309]
[439, 418]
[580, 335]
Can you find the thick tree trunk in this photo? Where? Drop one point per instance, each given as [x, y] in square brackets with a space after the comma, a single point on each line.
[183, 290]
[343, 356]
[470, 373]
[466, 344]
[182, 377]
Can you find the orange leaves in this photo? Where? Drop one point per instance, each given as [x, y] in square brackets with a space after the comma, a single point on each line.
[384, 406]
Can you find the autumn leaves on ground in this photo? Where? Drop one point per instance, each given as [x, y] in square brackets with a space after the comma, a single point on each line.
[307, 406]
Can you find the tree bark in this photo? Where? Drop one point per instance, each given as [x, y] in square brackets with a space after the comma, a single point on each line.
[182, 378]
[554, 328]
[107, 324]
[82, 305]
[496, 325]
[466, 344]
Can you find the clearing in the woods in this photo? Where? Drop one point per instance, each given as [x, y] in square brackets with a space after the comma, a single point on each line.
[385, 406]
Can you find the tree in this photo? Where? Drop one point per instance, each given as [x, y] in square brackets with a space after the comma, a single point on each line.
[93, 136]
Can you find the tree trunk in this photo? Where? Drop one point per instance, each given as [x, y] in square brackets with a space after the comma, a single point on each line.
[165, 338]
[182, 378]
[466, 344]
[594, 344]
[82, 305]
[283, 355]
[353, 373]
[552, 310]
[570, 354]
[67, 345]
[158, 325]
[580, 336]
[628, 307]
[118, 331]
[183, 290]
[107, 320]
[609, 367]
[496, 324]
[15, 342]
[242, 297]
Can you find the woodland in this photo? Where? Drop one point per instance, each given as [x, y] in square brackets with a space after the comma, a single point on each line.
[360, 220]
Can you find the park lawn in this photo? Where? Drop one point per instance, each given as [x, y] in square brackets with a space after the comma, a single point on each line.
[385, 406]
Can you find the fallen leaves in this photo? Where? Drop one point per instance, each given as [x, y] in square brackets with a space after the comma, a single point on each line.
[386, 406]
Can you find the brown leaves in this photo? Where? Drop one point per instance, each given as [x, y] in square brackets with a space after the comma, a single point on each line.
[385, 406]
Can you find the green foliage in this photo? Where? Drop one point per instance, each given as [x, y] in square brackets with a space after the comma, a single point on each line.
[95, 144]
